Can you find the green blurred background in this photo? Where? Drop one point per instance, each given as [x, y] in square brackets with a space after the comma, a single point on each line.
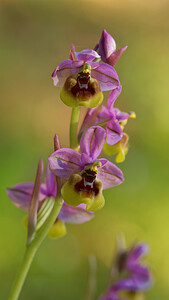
[35, 36]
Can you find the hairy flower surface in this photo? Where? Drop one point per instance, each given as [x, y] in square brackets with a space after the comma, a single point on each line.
[87, 174]
[21, 195]
[130, 277]
[84, 78]
[107, 49]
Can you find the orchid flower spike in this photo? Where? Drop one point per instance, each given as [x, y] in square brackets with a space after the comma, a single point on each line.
[21, 195]
[83, 78]
[107, 49]
[86, 175]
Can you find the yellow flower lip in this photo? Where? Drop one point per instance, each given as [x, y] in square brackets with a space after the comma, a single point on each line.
[82, 90]
[84, 188]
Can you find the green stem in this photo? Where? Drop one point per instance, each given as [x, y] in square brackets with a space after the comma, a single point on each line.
[33, 247]
[73, 127]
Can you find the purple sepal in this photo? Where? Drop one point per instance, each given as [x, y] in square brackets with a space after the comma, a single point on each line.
[138, 252]
[109, 174]
[75, 215]
[121, 116]
[21, 194]
[66, 68]
[114, 132]
[50, 181]
[64, 162]
[134, 283]
[106, 76]
[114, 57]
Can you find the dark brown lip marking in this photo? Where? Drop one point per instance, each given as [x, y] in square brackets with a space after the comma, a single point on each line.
[87, 184]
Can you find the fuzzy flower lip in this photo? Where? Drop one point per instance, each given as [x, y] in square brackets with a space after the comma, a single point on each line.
[102, 72]
[21, 195]
[65, 161]
[107, 49]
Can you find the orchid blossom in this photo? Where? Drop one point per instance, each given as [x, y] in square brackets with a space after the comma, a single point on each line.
[87, 175]
[130, 278]
[84, 78]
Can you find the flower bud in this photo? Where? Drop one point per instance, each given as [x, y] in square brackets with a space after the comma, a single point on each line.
[107, 49]
[107, 45]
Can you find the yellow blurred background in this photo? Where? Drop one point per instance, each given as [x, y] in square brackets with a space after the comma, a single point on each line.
[35, 37]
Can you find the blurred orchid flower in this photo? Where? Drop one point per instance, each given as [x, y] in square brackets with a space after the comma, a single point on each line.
[21, 195]
[129, 276]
